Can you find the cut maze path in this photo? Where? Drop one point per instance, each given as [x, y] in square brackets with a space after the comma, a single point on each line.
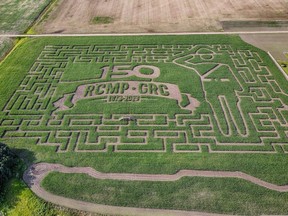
[252, 78]
[246, 71]
[37, 172]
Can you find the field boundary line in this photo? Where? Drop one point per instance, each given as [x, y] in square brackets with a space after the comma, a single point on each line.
[34, 175]
[143, 34]
[40, 16]
[277, 64]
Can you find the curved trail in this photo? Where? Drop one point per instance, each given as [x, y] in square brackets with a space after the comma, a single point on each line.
[37, 172]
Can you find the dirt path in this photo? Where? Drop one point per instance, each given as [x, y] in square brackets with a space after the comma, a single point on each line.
[274, 41]
[281, 33]
[37, 172]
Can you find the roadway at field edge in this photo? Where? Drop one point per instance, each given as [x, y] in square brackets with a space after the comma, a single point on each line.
[144, 34]
[37, 172]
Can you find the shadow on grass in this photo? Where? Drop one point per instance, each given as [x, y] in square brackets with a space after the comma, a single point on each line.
[28, 157]
[15, 189]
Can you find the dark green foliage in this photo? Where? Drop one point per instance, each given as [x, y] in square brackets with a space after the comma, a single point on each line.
[8, 160]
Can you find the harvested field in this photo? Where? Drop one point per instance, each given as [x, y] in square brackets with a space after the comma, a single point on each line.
[74, 16]
[277, 44]
[16, 16]
[5, 45]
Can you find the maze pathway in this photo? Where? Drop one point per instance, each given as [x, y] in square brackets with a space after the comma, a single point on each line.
[149, 98]
[34, 175]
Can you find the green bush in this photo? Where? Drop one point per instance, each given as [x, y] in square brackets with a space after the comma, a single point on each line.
[8, 160]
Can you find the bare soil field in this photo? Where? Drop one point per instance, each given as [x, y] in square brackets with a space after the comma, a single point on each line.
[277, 44]
[75, 16]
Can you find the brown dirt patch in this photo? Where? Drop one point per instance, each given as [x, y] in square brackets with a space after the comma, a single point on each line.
[276, 44]
[74, 16]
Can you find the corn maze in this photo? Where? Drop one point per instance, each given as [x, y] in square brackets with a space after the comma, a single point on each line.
[149, 98]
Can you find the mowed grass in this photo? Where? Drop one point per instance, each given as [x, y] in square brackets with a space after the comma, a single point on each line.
[286, 68]
[269, 167]
[217, 195]
[284, 64]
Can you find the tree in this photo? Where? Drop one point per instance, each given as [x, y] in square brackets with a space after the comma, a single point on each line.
[8, 160]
